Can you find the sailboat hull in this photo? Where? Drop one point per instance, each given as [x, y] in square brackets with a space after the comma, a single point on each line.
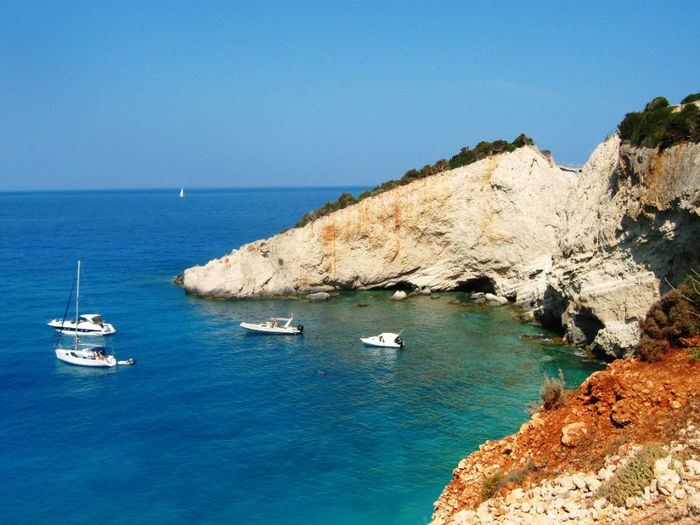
[85, 358]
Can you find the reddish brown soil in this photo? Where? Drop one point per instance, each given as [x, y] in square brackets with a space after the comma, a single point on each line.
[628, 402]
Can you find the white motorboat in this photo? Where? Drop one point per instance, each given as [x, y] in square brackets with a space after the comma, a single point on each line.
[384, 340]
[88, 324]
[95, 356]
[276, 325]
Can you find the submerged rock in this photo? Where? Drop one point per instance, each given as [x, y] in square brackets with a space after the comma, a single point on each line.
[318, 296]
[495, 300]
[527, 317]
[399, 295]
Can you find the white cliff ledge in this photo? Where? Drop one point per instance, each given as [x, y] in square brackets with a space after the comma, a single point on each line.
[588, 250]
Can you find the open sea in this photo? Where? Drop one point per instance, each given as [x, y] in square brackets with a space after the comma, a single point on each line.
[215, 425]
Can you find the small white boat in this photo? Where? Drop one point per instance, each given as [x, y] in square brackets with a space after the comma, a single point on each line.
[88, 324]
[182, 192]
[384, 340]
[276, 325]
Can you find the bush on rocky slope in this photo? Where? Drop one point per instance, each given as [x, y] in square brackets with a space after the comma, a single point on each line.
[631, 480]
[670, 318]
[552, 391]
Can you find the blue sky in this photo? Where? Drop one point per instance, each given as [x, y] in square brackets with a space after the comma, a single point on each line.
[236, 94]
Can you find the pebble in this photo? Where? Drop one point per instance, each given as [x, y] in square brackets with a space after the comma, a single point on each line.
[579, 482]
[667, 482]
[694, 505]
[693, 466]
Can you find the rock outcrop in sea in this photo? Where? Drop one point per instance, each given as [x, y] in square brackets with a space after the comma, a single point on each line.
[587, 251]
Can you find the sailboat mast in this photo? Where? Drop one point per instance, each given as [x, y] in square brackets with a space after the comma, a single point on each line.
[77, 295]
[77, 307]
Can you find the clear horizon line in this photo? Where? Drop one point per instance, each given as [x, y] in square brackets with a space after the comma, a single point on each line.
[195, 189]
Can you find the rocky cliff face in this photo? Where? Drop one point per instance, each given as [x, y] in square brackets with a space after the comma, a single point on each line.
[630, 232]
[586, 250]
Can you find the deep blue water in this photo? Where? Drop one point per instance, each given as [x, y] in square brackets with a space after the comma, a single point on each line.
[214, 425]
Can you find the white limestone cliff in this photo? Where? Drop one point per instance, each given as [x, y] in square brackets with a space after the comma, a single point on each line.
[589, 250]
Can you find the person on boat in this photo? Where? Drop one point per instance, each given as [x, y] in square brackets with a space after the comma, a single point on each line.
[274, 323]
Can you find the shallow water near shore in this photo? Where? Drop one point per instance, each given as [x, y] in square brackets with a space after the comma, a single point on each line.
[217, 425]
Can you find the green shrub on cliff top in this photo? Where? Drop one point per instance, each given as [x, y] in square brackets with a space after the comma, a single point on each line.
[691, 98]
[346, 199]
[659, 125]
[658, 102]
[465, 156]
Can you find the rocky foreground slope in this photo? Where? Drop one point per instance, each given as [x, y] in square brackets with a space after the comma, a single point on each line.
[624, 448]
[585, 250]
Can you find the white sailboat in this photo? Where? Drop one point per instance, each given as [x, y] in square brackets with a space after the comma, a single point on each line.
[87, 355]
[182, 192]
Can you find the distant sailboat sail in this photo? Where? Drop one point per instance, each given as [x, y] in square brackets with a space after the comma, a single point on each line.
[182, 192]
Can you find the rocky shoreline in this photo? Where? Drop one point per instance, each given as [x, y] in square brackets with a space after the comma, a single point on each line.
[672, 495]
[562, 463]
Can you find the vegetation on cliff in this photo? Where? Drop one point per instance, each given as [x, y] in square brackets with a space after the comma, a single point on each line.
[676, 315]
[464, 157]
[691, 98]
[662, 125]
[552, 392]
[630, 480]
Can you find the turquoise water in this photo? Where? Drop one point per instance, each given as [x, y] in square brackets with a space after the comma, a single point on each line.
[216, 425]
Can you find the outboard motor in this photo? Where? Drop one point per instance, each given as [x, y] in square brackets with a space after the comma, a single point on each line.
[399, 341]
[300, 328]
